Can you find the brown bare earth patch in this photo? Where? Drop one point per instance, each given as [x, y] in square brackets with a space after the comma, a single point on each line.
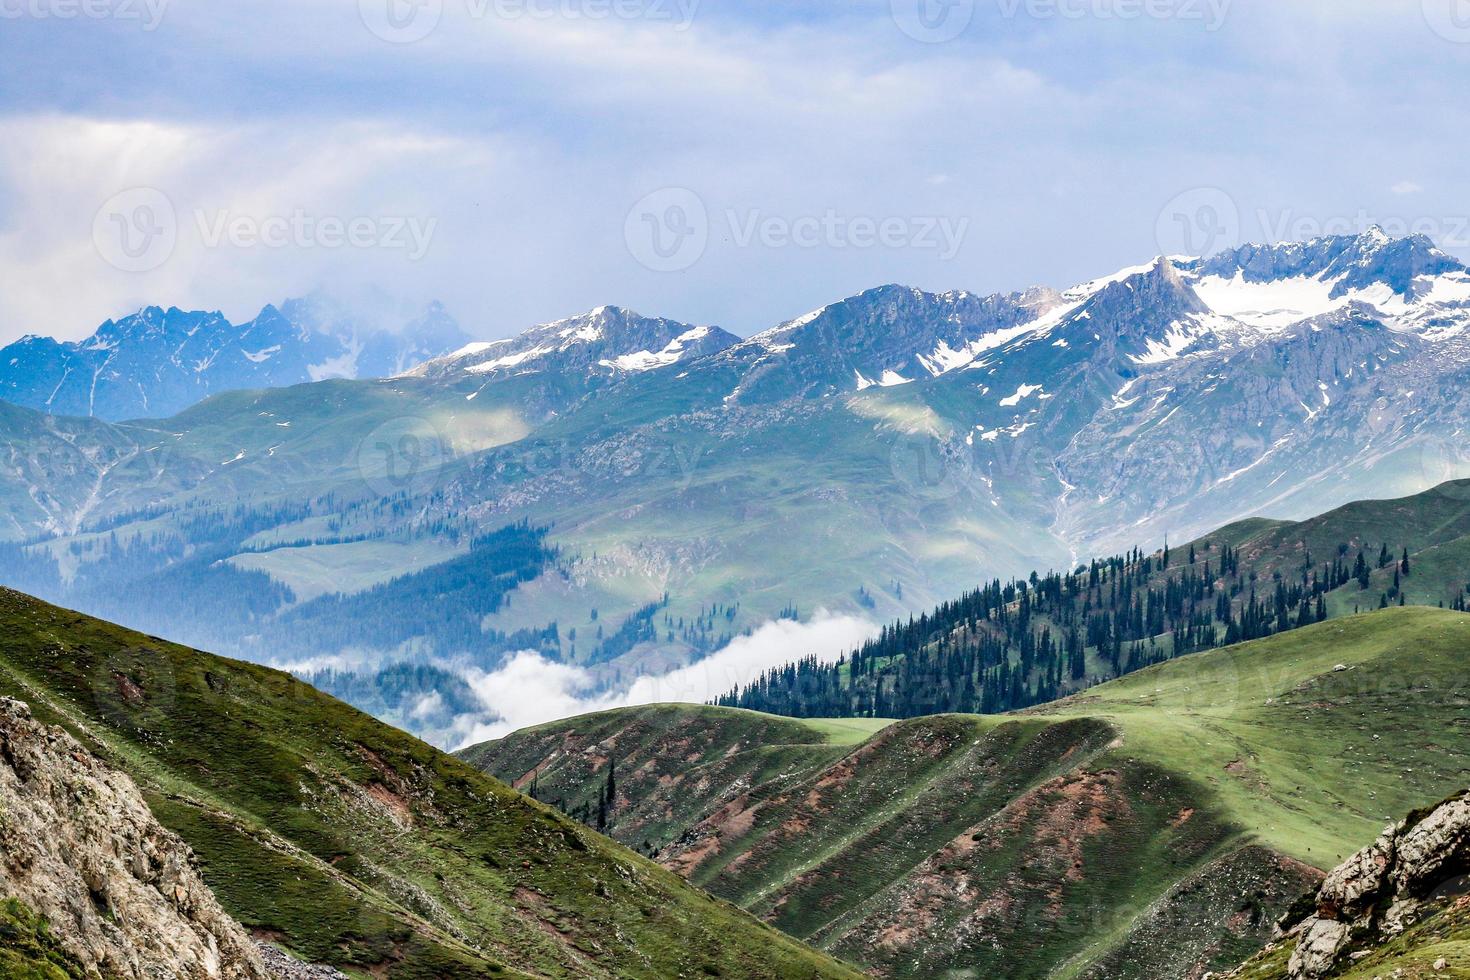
[836, 778]
[402, 812]
[1057, 818]
[797, 824]
[127, 688]
[734, 819]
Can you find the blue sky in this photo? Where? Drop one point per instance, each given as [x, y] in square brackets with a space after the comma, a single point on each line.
[716, 162]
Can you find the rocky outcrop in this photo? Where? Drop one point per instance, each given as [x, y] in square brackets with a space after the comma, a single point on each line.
[120, 895]
[1379, 891]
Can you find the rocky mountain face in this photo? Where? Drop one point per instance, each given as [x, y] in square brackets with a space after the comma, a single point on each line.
[884, 337]
[608, 341]
[120, 895]
[158, 362]
[1396, 908]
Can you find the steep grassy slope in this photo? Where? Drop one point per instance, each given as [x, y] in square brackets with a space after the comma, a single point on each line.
[1152, 827]
[1433, 526]
[674, 763]
[355, 844]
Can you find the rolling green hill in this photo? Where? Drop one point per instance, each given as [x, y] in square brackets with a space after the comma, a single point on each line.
[354, 844]
[1153, 826]
[1029, 641]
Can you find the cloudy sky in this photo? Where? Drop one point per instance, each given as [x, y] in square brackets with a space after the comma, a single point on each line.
[715, 161]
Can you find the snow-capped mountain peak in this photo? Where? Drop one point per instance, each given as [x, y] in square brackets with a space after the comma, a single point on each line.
[157, 362]
[608, 340]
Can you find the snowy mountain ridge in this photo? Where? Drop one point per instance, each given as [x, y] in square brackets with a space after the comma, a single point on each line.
[156, 362]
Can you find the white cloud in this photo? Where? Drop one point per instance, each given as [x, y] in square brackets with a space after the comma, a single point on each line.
[530, 138]
[1406, 187]
[530, 690]
[747, 657]
[58, 171]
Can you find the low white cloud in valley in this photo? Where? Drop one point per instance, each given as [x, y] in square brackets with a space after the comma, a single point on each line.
[530, 689]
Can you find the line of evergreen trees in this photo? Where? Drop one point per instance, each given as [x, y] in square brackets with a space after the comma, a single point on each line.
[1006, 646]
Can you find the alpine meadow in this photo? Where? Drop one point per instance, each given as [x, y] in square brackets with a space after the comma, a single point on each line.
[1024, 535]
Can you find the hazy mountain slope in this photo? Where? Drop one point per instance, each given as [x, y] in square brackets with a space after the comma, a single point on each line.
[355, 844]
[1155, 826]
[872, 458]
[158, 362]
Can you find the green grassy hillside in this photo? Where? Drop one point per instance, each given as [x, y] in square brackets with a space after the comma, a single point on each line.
[1154, 826]
[355, 844]
[1003, 647]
